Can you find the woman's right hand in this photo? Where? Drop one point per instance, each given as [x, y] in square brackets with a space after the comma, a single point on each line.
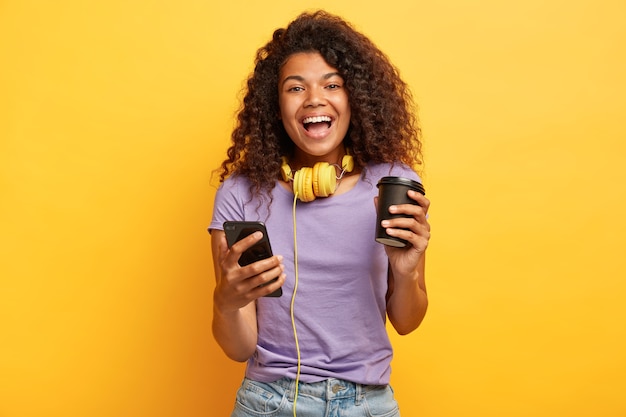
[237, 286]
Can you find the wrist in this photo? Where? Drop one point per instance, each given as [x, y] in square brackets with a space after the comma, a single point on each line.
[222, 309]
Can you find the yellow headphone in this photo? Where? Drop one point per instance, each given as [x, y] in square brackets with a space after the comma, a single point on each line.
[319, 181]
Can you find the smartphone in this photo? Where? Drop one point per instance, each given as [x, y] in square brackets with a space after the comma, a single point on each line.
[237, 230]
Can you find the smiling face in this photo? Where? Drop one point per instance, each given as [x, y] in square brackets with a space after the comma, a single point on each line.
[314, 108]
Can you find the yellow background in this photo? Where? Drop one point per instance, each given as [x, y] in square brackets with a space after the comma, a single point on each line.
[114, 113]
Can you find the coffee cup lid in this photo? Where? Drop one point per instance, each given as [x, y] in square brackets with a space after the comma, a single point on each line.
[402, 181]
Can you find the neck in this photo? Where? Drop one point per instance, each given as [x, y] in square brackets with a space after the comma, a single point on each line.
[304, 160]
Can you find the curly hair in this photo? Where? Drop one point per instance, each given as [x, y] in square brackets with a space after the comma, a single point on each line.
[383, 126]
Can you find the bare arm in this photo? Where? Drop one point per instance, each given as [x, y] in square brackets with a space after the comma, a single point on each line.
[407, 300]
[234, 307]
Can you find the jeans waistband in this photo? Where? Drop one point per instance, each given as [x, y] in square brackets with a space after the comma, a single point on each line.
[327, 389]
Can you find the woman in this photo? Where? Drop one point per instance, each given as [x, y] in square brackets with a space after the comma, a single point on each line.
[324, 117]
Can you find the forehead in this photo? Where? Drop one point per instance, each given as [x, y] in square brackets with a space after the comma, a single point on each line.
[306, 65]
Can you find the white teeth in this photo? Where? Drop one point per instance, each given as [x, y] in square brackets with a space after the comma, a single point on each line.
[317, 119]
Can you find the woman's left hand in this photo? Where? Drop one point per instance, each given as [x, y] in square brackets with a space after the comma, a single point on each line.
[414, 229]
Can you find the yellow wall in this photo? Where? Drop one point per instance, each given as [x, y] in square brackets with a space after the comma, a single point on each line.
[113, 114]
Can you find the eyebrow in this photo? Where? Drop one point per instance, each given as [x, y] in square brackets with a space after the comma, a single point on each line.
[301, 78]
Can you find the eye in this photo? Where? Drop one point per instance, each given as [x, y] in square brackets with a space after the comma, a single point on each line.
[333, 86]
[295, 89]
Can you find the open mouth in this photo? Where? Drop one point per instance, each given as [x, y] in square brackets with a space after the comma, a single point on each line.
[317, 123]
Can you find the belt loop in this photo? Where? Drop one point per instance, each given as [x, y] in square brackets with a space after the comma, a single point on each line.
[358, 395]
[291, 391]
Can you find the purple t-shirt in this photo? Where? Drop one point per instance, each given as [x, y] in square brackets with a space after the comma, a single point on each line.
[340, 308]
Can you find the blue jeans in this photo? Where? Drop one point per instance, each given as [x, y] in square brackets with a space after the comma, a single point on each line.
[329, 398]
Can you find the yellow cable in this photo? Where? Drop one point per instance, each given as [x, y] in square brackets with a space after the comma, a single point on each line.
[293, 299]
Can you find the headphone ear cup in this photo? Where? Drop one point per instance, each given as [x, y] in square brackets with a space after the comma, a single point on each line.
[324, 179]
[319, 181]
[347, 162]
[303, 184]
[285, 171]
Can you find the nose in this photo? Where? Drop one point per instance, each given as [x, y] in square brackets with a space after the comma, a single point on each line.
[314, 98]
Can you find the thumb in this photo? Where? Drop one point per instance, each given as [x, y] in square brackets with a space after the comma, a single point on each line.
[222, 245]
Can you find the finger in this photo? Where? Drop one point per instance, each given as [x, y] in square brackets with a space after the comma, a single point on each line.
[419, 241]
[264, 283]
[268, 288]
[247, 242]
[404, 226]
[263, 265]
[266, 277]
[420, 199]
[219, 247]
[413, 210]
[219, 240]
